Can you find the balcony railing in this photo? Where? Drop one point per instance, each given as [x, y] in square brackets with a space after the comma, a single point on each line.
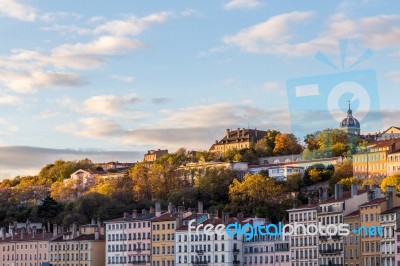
[236, 262]
[200, 252]
[200, 263]
[236, 251]
[330, 251]
[139, 262]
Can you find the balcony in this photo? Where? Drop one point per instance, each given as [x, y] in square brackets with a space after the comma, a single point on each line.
[139, 262]
[330, 209]
[200, 263]
[236, 263]
[330, 251]
[200, 252]
[323, 238]
[235, 251]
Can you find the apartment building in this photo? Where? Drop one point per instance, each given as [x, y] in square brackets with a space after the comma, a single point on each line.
[266, 250]
[303, 247]
[397, 247]
[372, 161]
[84, 246]
[163, 238]
[331, 212]
[393, 164]
[352, 243]
[24, 246]
[207, 248]
[128, 239]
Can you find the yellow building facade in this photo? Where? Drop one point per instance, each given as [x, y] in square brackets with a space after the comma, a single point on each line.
[84, 247]
[352, 243]
[163, 240]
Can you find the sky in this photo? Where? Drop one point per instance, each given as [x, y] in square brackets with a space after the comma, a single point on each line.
[110, 80]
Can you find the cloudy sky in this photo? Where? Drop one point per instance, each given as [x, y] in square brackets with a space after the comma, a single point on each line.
[111, 79]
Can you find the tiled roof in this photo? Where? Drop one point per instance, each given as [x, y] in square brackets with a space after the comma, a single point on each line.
[353, 214]
[166, 217]
[373, 202]
[27, 237]
[83, 237]
[392, 210]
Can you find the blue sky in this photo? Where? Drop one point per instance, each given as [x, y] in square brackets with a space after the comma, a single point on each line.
[104, 79]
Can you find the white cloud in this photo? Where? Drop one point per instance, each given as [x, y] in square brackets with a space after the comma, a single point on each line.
[127, 79]
[271, 86]
[132, 25]
[30, 82]
[110, 104]
[46, 114]
[271, 36]
[191, 13]
[277, 34]
[16, 9]
[92, 127]
[105, 45]
[248, 4]
[7, 99]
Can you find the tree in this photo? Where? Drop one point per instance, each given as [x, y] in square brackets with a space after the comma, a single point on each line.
[213, 186]
[266, 145]
[393, 181]
[141, 182]
[347, 182]
[294, 181]
[312, 141]
[287, 144]
[49, 210]
[254, 191]
[344, 170]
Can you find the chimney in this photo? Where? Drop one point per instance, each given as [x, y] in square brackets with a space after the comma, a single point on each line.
[238, 132]
[212, 218]
[96, 234]
[338, 191]
[354, 190]
[3, 233]
[226, 218]
[378, 192]
[55, 230]
[189, 209]
[223, 217]
[243, 132]
[158, 209]
[389, 197]
[22, 232]
[309, 201]
[144, 211]
[126, 216]
[194, 214]
[74, 230]
[134, 214]
[200, 206]
[170, 207]
[48, 226]
[216, 214]
[323, 194]
[152, 210]
[228, 131]
[34, 231]
[93, 221]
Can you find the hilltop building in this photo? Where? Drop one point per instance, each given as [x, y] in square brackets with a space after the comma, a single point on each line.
[350, 125]
[237, 139]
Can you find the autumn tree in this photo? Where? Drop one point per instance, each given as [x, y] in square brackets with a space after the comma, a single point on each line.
[343, 170]
[393, 181]
[347, 182]
[254, 191]
[287, 144]
[142, 186]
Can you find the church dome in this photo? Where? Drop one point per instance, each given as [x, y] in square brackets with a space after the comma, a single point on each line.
[350, 124]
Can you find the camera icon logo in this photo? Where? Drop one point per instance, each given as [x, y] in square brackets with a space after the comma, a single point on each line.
[321, 102]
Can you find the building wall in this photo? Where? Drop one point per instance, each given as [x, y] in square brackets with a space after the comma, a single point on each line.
[19, 253]
[352, 242]
[266, 250]
[303, 248]
[215, 250]
[90, 253]
[370, 246]
[393, 164]
[370, 164]
[163, 243]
